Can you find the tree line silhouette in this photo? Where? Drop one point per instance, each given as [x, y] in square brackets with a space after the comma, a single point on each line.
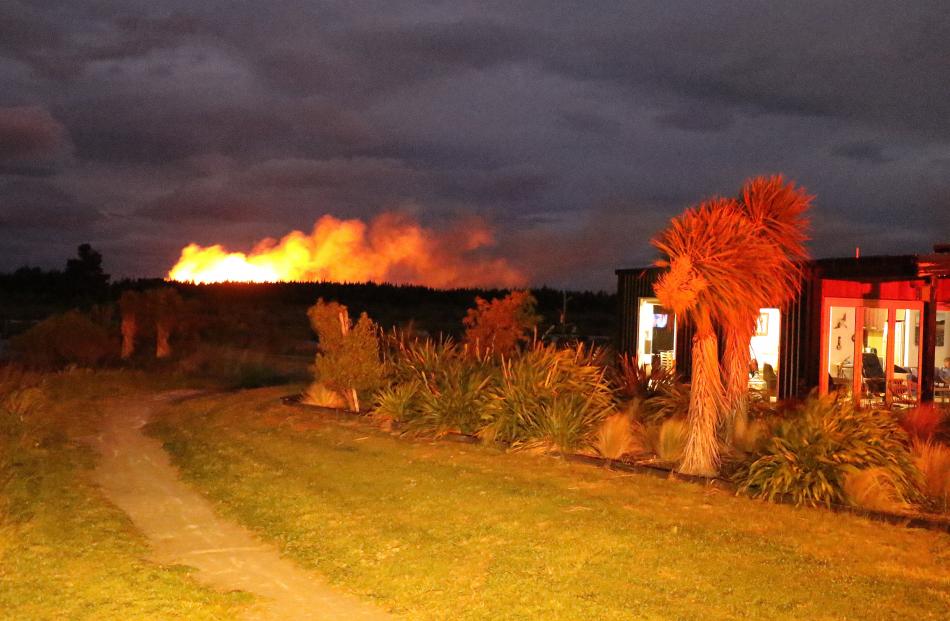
[269, 316]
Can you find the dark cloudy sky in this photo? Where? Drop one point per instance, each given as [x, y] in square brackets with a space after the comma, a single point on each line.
[576, 129]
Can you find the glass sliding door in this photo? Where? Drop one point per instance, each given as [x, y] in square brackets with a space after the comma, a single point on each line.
[942, 357]
[840, 330]
[904, 386]
[874, 360]
[871, 350]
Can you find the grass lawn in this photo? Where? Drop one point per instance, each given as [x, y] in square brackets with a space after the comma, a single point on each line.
[449, 531]
[65, 552]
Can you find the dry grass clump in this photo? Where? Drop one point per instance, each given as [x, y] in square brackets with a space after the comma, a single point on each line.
[875, 489]
[751, 436]
[671, 440]
[933, 461]
[619, 435]
[318, 394]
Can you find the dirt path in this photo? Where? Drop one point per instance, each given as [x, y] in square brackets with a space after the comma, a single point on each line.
[135, 474]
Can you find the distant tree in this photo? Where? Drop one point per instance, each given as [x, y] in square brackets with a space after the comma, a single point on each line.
[165, 307]
[348, 359]
[132, 306]
[69, 338]
[503, 323]
[84, 273]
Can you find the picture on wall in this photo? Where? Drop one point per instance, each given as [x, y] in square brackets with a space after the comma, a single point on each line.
[941, 332]
[762, 325]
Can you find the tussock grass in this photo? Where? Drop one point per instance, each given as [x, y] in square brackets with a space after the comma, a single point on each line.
[450, 531]
[875, 489]
[619, 435]
[671, 440]
[933, 461]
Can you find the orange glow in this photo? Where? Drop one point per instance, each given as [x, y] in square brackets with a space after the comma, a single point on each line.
[391, 248]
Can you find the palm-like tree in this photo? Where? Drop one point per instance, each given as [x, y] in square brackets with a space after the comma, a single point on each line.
[777, 210]
[713, 252]
[727, 259]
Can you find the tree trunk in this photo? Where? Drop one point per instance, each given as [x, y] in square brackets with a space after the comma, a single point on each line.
[129, 330]
[701, 455]
[162, 335]
[735, 366]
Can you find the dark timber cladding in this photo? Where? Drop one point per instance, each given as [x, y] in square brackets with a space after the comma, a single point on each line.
[923, 278]
[633, 284]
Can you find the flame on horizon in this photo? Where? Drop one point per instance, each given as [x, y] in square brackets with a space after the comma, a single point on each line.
[391, 248]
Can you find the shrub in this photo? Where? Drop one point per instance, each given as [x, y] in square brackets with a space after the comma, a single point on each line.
[922, 421]
[876, 489]
[671, 440]
[618, 435]
[548, 397]
[500, 325]
[810, 455]
[348, 361]
[61, 340]
[933, 461]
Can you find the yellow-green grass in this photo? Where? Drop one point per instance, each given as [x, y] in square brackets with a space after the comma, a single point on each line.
[448, 531]
[65, 551]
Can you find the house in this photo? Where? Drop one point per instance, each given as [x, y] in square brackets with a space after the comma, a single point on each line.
[874, 326]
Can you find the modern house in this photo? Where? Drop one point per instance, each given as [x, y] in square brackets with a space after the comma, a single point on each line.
[877, 327]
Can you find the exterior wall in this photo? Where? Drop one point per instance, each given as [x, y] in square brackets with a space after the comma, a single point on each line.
[631, 286]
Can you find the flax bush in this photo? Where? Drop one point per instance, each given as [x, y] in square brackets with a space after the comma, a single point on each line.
[811, 454]
[548, 398]
[437, 388]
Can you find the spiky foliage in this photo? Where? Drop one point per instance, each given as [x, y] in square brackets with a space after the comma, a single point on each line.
[438, 387]
[810, 455]
[711, 250]
[777, 210]
[933, 461]
[727, 259]
[634, 381]
[671, 400]
[500, 325]
[548, 398]
[348, 361]
[399, 402]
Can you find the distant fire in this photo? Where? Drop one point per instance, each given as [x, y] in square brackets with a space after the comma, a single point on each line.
[391, 248]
